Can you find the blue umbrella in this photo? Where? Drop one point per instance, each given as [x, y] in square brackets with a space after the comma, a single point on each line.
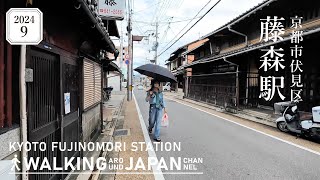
[156, 72]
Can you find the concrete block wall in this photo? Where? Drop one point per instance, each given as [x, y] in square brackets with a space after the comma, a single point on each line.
[10, 136]
[90, 122]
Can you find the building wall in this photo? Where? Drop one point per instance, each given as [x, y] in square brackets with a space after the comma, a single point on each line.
[196, 44]
[114, 81]
[10, 136]
[91, 123]
[190, 58]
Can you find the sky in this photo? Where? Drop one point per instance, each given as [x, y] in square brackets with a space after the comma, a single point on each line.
[173, 16]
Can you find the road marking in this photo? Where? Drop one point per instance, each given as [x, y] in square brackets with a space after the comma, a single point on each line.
[158, 175]
[274, 137]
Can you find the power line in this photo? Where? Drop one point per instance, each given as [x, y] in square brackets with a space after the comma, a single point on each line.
[185, 20]
[147, 7]
[168, 6]
[167, 22]
[187, 24]
[191, 27]
[181, 3]
[166, 31]
[162, 7]
[158, 8]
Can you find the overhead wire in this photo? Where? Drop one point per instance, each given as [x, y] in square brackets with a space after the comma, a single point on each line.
[166, 32]
[158, 10]
[166, 22]
[147, 7]
[188, 23]
[165, 9]
[138, 27]
[190, 27]
[181, 3]
[169, 5]
[185, 20]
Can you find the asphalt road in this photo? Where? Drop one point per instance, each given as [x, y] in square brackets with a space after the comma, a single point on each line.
[229, 151]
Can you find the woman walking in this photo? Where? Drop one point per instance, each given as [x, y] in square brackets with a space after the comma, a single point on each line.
[157, 107]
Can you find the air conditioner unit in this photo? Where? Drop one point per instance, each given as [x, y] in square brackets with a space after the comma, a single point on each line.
[5, 170]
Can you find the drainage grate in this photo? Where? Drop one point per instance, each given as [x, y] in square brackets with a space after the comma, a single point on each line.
[121, 132]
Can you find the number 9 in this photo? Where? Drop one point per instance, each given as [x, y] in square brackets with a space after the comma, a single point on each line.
[24, 30]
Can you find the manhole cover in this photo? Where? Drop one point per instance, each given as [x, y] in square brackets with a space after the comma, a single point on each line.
[121, 132]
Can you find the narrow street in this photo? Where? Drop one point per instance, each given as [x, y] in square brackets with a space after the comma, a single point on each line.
[229, 151]
[239, 80]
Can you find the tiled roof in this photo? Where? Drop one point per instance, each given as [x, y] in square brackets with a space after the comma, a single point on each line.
[247, 13]
[248, 48]
[243, 15]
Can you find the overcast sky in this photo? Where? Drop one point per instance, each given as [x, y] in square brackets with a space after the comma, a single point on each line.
[179, 13]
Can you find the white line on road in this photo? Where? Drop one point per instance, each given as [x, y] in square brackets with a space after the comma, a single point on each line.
[274, 137]
[158, 175]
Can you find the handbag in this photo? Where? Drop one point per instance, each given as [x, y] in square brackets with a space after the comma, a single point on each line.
[165, 120]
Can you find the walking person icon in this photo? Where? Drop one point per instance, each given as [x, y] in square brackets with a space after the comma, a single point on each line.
[15, 161]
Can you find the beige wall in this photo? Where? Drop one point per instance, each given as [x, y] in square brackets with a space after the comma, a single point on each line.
[196, 44]
[190, 58]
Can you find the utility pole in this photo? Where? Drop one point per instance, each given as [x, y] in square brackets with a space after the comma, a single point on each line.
[130, 64]
[121, 57]
[156, 45]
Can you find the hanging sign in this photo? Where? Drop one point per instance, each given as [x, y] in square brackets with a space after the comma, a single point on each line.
[112, 9]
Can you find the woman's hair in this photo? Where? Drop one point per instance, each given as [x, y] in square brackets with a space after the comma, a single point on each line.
[152, 84]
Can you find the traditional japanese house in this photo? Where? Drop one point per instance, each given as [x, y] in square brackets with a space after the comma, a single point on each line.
[181, 57]
[174, 63]
[59, 99]
[229, 75]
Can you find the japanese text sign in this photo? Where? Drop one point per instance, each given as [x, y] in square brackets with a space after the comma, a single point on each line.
[112, 9]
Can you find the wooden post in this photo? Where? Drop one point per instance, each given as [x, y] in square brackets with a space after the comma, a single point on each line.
[2, 115]
[9, 86]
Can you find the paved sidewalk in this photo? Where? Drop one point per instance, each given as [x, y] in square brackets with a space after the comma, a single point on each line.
[112, 108]
[131, 123]
[111, 114]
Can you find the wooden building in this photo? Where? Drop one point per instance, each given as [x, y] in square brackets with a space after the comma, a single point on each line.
[66, 65]
[181, 57]
[226, 71]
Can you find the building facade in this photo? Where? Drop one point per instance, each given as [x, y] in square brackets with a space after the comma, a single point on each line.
[60, 98]
[180, 58]
[226, 68]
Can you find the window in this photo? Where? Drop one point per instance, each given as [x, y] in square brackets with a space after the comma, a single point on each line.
[91, 83]
[201, 54]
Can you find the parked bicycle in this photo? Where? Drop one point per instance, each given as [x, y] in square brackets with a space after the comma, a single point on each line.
[107, 93]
